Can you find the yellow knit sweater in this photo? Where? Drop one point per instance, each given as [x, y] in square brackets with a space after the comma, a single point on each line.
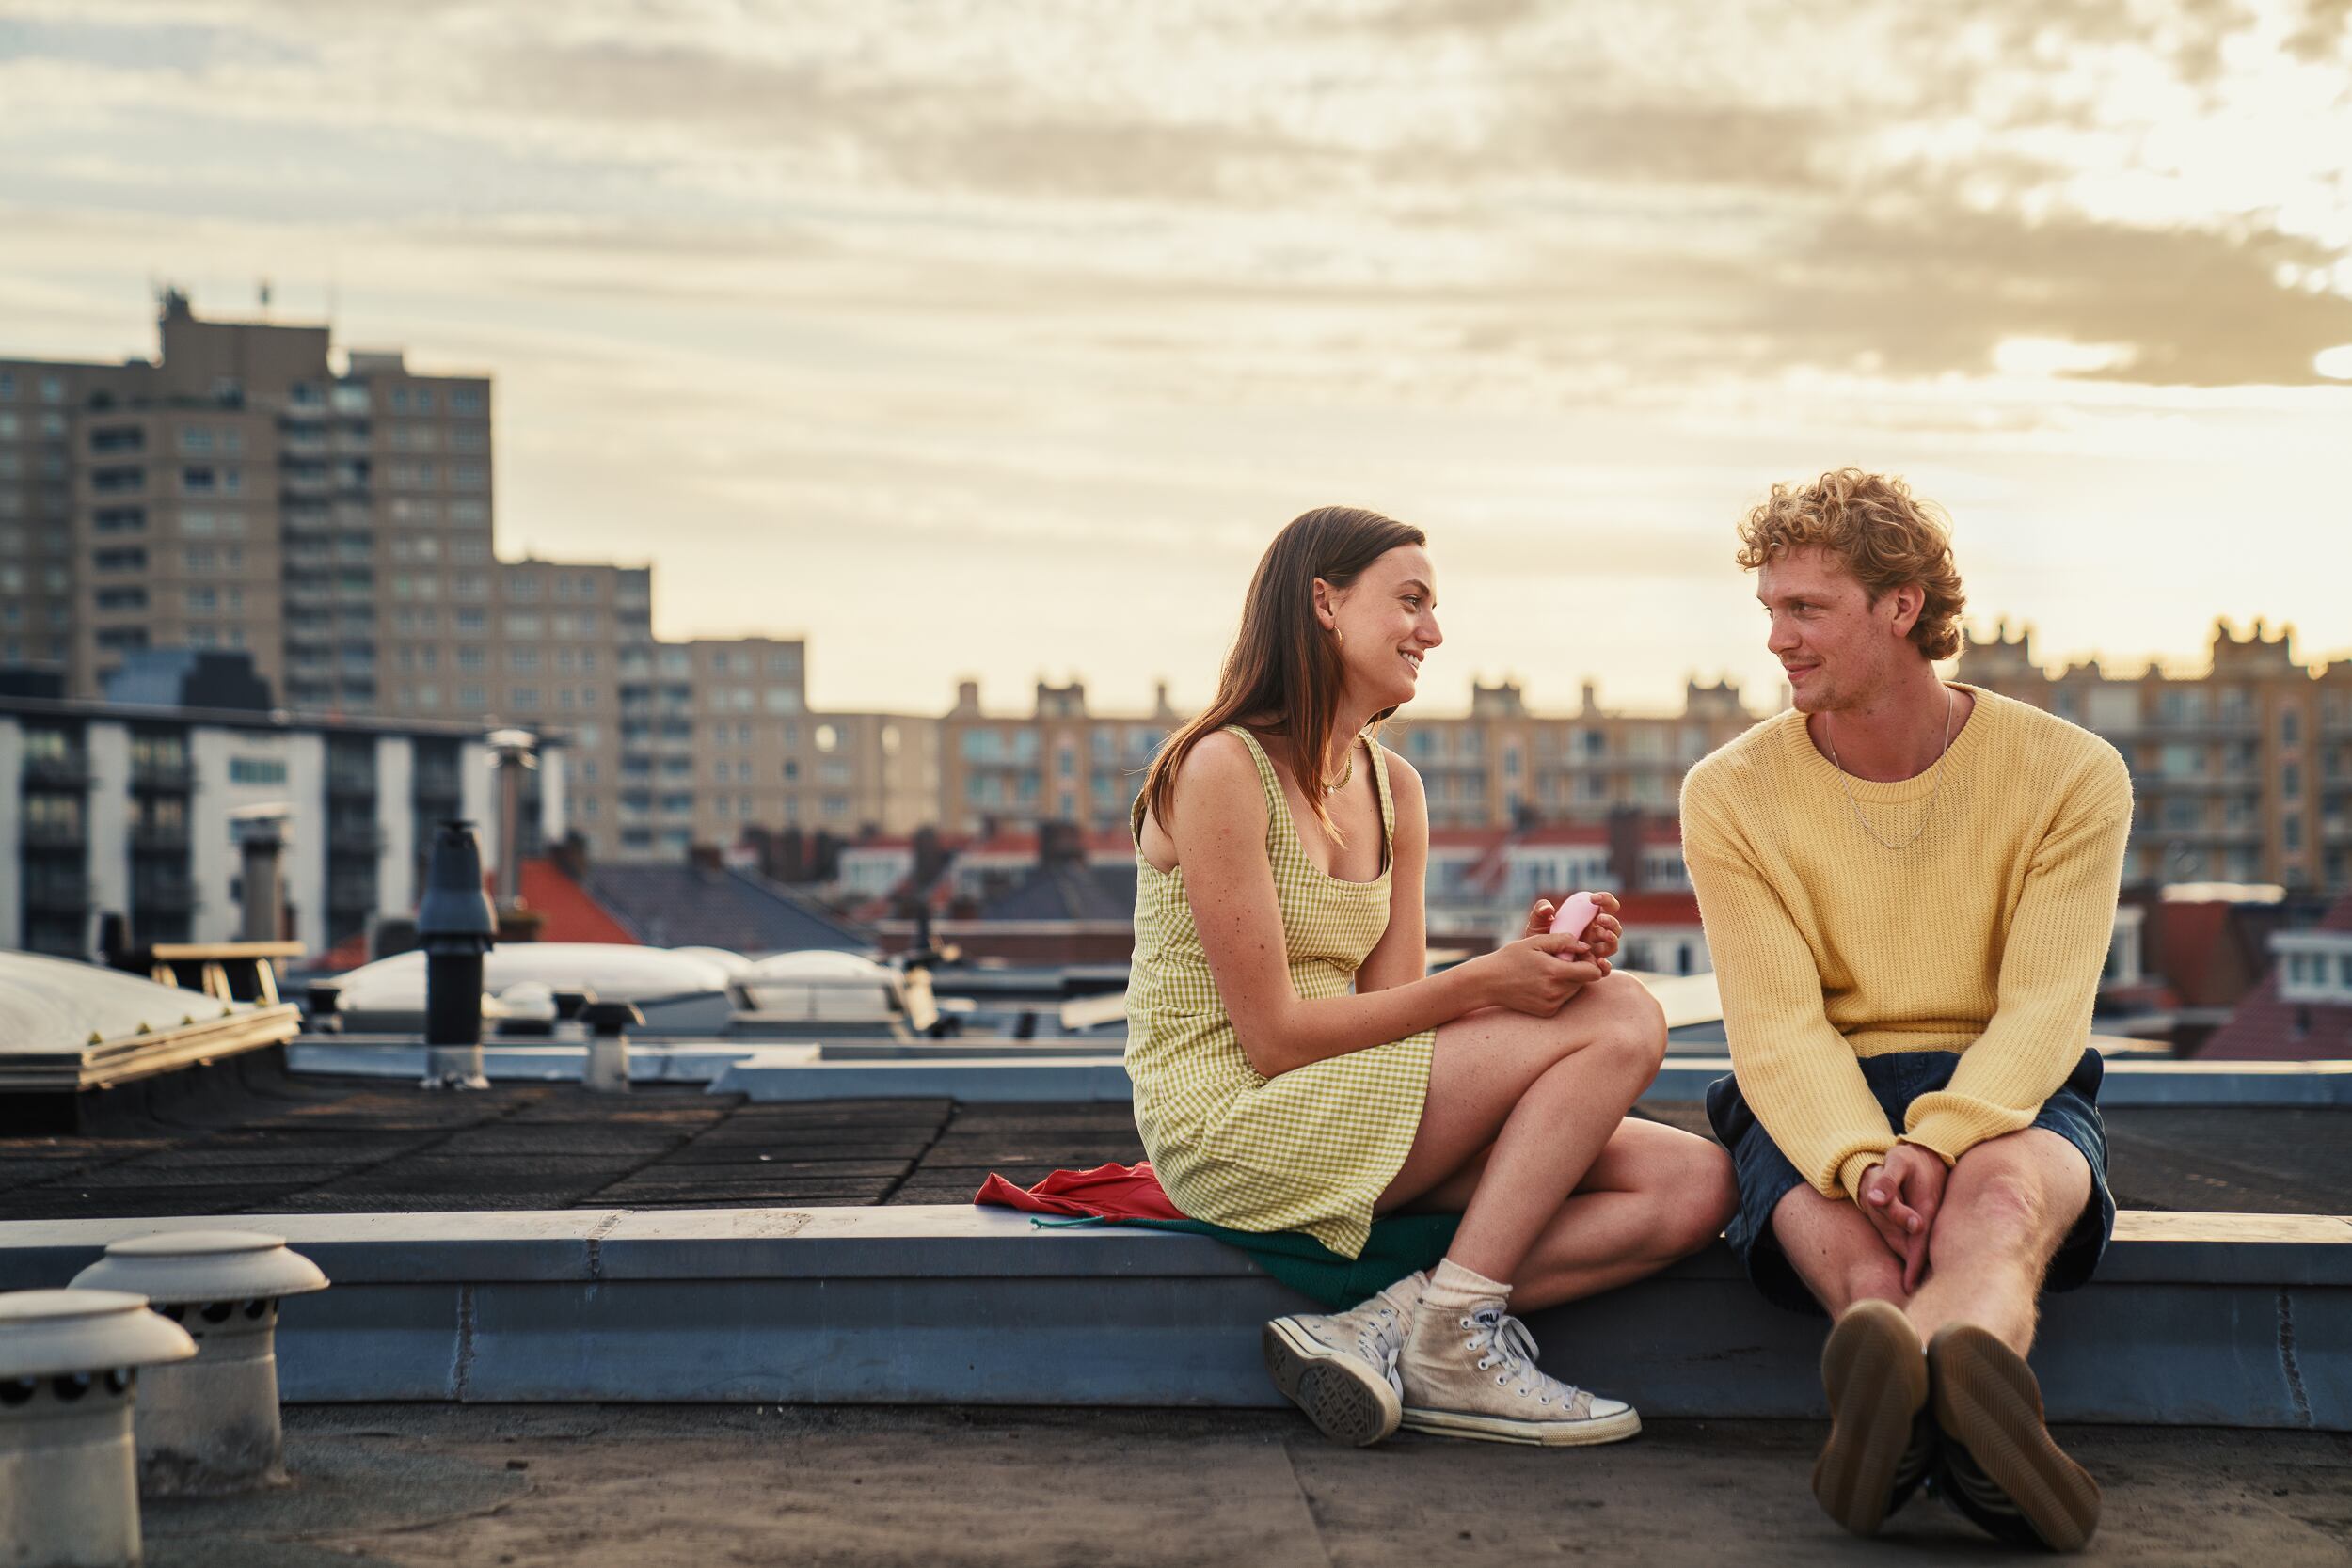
[1987, 936]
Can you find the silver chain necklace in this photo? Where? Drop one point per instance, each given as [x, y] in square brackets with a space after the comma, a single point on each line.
[1932, 794]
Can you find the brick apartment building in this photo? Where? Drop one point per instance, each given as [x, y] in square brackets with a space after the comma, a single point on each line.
[2243, 770]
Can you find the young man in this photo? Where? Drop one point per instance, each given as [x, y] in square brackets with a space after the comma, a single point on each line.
[1908, 886]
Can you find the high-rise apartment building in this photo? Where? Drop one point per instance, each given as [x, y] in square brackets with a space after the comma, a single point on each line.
[2242, 771]
[564, 639]
[240, 492]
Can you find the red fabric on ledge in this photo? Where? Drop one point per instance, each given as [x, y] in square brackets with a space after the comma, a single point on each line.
[1112, 1191]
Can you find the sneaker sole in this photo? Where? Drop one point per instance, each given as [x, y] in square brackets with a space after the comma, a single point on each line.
[1987, 1400]
[1539, 1434]
[1347, 1402]
[1876, 1377]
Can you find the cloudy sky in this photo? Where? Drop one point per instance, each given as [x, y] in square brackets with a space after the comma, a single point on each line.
[996, 338]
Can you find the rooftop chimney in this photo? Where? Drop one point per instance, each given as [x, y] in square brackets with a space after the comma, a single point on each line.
[455, 926]
[513, 753]
[260, 832]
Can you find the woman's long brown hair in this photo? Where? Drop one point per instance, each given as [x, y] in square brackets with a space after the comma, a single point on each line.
[1283, 663]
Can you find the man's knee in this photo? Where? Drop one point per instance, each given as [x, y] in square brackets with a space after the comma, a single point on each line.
[2007, 1212]
[1835, 1252]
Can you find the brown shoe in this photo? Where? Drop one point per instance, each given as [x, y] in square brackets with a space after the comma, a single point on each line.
[2001, 1468]
[1876, 1377]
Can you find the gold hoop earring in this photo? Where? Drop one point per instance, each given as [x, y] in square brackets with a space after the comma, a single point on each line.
[1338, 638]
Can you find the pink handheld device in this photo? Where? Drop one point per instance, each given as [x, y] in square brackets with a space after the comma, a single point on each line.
[1574, 916]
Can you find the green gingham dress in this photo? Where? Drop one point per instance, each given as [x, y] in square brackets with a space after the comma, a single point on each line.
[1309, 1150]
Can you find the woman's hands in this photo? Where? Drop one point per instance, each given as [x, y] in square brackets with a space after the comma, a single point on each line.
[1538, 975]
[1601, 936]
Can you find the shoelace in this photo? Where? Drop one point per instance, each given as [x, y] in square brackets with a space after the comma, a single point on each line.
[1504, 1341]
[1384, 1344]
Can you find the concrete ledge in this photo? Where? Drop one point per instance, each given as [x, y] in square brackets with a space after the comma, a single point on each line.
[388, 1057]
[2196, 1319]
[997, 1071]
[859, 1071]
[810, 1072]
[2128, 1081]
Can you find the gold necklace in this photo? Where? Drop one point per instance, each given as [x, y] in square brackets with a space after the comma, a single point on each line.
[1932, 794]
[1346, 772]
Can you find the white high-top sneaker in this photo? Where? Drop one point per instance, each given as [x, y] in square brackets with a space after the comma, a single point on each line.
[1340, 1367]
[1470, 1371]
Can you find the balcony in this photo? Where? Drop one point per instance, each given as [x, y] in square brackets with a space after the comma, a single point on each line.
[435, 784]
[168, 838]
[350, 896]
[163, 776]
[162, 895]
[351, 782]
[53, 771]
[355, 838]
[55, 835]
[57, 893]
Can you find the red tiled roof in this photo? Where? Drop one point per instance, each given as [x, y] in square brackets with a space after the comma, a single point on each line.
[1467, 838]
[567, 910]
[1563, 833]
[1658, 907]
[2264, 1027]
[350, 952]
[2189, 939]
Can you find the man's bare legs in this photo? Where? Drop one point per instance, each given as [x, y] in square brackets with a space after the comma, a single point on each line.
[2007, 1210]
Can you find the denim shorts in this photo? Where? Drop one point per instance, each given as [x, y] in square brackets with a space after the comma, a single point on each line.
[1766, 1176]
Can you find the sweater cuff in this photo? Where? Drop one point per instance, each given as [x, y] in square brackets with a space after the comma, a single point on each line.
[1849, 1174]
[1945, 1135]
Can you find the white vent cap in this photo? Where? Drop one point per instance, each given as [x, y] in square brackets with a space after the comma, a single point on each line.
[47, 1333]
[181, 1268]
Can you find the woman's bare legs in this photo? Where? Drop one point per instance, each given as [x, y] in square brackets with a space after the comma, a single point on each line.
[1656, 1194]
[1532, 1102]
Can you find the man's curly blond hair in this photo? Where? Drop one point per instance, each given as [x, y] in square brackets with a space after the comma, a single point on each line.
[1878, 530]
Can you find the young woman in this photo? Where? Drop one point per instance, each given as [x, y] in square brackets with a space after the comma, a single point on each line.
[1297, 1069]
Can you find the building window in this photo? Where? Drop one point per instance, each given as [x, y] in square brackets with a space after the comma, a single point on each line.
[256, 770]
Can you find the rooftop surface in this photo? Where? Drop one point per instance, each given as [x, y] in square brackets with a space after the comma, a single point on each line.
[687, 1486]
[248, 1137]
[652, 1485]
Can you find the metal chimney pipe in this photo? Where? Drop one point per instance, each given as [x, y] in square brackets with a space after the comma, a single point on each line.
[455, 926]
[68, 1376]
[607, 1069]
[210, 1425]
[260, 832]
[515, 753]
